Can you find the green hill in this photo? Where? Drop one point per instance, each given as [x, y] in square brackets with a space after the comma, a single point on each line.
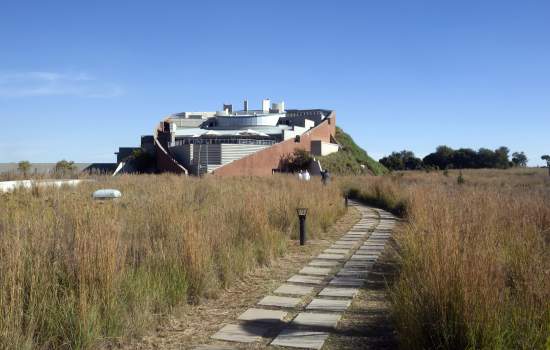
[349, 159]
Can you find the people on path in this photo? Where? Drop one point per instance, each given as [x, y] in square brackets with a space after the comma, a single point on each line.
[325, 177]
[304, 175]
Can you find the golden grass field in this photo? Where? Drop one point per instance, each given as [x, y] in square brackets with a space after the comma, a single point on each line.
[75, 272]
[473, 258]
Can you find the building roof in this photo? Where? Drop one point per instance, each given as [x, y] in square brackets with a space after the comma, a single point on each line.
[250, 130]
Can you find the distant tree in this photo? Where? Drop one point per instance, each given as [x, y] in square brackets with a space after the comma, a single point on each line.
[519, 159]
[486, 158]
[502, 160]
[64, 167]
[393, 161]
[546, 157]
[404, 160]
[24, 166]
[464, 158]
[441, 158]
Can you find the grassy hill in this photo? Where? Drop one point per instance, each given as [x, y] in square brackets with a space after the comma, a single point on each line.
[349, 159]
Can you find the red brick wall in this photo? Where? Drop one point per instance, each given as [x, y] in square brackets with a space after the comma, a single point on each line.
[263, 162]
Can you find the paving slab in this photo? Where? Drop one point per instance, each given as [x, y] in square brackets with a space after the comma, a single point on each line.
[353, 273]
[316, 320]
[355, 237]
[336, 251]
[324, 263]
[306, 279]
[343, 245]
[296, 338]
[373, 244]
[353, 243]
[368, 252]
[241, 333]
[317, 271]
[356, 257]
[263, 316]
[339, 292]
[328, 305]
[293, 289]
[214, 347]
[331, 256]
[371, 248]
[273, 300]
[359, 263]
[349, 239]
[347, 281]
[364, 257]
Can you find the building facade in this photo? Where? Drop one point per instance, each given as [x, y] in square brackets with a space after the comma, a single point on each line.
[240, 142]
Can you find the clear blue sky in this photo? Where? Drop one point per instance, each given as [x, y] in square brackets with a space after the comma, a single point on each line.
[80, 78]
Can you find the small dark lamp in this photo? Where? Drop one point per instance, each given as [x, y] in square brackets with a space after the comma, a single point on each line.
[302, 217]
[301, 211]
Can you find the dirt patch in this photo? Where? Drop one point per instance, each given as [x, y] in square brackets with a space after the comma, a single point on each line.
[190, 326]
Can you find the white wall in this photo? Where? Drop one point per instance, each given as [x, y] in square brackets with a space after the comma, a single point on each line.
[320, 148]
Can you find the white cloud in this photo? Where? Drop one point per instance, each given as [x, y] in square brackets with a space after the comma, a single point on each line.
[40, 83]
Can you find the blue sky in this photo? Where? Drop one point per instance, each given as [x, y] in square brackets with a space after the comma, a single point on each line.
[78, 79]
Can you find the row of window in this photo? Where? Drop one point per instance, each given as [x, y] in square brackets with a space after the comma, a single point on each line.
[216, 141]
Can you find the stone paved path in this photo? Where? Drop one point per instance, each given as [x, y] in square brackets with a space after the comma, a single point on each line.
[304, 311]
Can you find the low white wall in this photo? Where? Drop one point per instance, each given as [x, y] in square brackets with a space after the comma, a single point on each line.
[320, 148]
[8, 186]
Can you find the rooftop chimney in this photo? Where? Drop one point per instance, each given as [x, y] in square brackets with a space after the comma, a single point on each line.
[265, 105]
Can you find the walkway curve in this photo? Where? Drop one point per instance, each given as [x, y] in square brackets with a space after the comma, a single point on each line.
[305, 311]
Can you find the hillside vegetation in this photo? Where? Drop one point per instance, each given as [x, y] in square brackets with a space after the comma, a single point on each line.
[349, 159]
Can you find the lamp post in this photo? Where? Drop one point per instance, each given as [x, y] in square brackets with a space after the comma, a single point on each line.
[302, 212]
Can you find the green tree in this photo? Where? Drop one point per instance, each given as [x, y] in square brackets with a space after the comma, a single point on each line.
[64, 167]
[441, 158]
[300, 159]
[486, 158]
[404, 160]
[24, 166]
[519, 159]
[546, 157]
[502, 157]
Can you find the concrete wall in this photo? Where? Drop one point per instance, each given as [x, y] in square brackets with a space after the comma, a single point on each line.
[263, 162]
[49, 168]
[320, 148]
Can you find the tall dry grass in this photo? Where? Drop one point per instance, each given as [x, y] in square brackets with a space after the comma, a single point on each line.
[474, 258]
[75, 273]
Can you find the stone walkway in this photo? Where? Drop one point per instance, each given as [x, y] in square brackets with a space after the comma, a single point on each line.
[304, 311]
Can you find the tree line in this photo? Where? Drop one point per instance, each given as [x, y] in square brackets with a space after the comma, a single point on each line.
[463, 158]
[63, 167]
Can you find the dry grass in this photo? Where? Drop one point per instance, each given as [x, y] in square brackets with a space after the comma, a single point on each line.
[474, 258]
[192, 325]
[77, 273]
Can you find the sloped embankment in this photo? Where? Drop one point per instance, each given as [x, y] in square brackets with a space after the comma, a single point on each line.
[349, 159]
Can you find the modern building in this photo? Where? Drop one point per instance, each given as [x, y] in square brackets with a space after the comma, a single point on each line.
[239, 142]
